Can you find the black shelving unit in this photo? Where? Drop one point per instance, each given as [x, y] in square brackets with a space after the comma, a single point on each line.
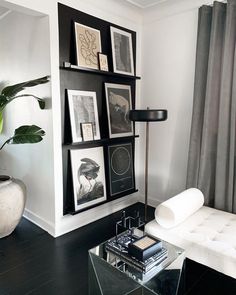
[69, 66]
[74, 77]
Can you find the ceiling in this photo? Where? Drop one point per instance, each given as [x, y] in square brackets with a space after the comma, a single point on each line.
[145, 3]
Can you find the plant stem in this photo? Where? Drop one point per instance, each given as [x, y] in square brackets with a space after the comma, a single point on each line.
[6, 143]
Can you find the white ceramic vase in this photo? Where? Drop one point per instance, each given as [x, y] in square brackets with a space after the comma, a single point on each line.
[12, 204]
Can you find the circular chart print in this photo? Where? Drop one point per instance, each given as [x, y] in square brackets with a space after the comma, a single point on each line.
[120, 160]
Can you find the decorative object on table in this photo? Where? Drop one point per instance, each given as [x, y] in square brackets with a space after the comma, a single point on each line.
[87, 131]
[88, 44]
[145, 247]
[103, 63]
[128, 223]
[119, 246]
[13, 191]
[118, 99]
[121, 174]
[147, 116]
[88, 177]
[122, 51]
[83, 109]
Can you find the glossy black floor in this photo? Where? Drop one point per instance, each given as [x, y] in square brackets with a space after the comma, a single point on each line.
[32, 262]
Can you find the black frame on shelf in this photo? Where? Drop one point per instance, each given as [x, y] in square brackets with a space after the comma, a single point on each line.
[78, 78]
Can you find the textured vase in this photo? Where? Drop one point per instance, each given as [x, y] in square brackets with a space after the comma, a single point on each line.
[12, 204]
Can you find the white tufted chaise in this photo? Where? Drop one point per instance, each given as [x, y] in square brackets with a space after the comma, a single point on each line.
[208, 236]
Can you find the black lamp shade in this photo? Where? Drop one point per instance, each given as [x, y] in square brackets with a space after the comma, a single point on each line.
[147, 115]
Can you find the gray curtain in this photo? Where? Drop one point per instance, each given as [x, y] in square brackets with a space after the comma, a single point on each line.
[211, 162]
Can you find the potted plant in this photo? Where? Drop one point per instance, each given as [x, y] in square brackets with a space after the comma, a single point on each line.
[12, 191]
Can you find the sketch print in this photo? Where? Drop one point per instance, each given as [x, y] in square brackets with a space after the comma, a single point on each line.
[83, 109]
[88, 177]
[118, 98]
[88, 44]
[122, 51]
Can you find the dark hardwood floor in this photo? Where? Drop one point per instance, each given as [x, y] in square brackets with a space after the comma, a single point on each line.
[33, 262]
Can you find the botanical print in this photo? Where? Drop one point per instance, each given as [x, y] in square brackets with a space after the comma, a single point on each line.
[88, 177]
[118, 98]
[122, 51]
[88, 44]
[83, 109]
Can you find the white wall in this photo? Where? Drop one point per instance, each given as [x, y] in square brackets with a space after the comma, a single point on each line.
[47, 215]
[24, 52]
[169, 45]
[168, 65]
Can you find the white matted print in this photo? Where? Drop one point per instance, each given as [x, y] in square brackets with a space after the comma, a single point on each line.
[88, 177]
[118, 99]
[83, 109]
[122, 51]
[88, 44]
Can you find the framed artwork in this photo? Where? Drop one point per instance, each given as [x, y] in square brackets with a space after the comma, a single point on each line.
[103, 64]
[121, 171]
[118, 99]
[83, 109]
[122, 51]
[88, 176]
[87, 131]
[88, 44]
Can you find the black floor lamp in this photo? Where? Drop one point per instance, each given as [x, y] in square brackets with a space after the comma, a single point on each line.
[147, 116]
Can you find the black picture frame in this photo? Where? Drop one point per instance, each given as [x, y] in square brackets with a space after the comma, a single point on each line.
[119, 103]
[121, 168]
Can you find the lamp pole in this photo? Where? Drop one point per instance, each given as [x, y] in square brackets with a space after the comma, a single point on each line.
[147, 116]
[146, 169]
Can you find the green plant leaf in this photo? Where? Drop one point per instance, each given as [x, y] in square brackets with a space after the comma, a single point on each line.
[3, 101]
[27, 134]
[1, 122]
[12, 90]
[8, 93]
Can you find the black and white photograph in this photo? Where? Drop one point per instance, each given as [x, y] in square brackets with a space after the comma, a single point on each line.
[118, 99]
[121, 172]
[88, 177]
[122, 51]
[88, 44]
[83, 109]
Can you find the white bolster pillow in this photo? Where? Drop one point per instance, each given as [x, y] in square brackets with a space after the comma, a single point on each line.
[175, 210]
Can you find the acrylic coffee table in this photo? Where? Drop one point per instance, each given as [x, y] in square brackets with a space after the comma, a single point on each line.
[109, 275]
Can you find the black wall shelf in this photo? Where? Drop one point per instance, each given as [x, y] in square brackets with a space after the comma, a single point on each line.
[114, 198]
[69, 66]
[99, 142]
[73, 77]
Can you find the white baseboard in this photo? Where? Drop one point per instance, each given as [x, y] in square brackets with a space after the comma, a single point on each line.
[69, 223]
[151, 201]
[39, 221]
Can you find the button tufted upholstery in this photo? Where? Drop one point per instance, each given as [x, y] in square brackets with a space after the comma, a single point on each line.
[208, 236]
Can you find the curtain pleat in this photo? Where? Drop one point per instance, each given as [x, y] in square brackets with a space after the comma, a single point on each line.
[202, 54]
[211, 165]
[225, 173]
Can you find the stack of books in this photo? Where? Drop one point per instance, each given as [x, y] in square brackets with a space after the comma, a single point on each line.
[119, 246]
